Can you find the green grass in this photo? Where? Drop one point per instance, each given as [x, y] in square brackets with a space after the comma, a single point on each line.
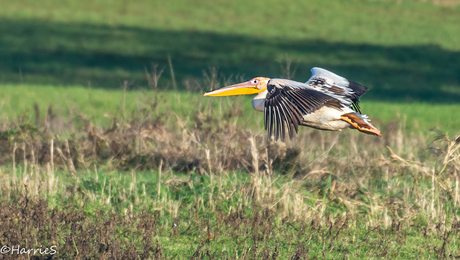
[231, 213]
[337, 21]
[96, 187]
[324, 195]
[100, 106]
[403, 51]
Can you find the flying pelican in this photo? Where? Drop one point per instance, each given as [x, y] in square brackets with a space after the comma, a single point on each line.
[326, 101]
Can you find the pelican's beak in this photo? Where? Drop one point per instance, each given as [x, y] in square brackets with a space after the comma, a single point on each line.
[245, 88]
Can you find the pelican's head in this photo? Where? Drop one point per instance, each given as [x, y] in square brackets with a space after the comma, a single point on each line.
[254, 86]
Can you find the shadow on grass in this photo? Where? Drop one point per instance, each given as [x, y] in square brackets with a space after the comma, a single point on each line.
[42, 52]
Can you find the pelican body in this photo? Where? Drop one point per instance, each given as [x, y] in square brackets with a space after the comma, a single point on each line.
[326, 102]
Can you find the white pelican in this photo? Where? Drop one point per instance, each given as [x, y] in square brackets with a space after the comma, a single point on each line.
[326, 101]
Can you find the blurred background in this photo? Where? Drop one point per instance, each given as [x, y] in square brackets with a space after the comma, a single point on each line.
[404, 51]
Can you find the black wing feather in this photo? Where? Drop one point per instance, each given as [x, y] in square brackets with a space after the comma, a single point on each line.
[285, 107]
[358, 91]
[287, 120]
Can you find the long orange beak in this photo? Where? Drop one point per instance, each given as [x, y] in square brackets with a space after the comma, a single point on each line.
[245, 88]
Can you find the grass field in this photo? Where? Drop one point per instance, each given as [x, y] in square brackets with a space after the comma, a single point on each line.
[202, 187]
[104, 162]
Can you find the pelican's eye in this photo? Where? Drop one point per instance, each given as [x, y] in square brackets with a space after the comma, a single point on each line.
[255, 81]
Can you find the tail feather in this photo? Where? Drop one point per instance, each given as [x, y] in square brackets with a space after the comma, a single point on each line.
[360, 122]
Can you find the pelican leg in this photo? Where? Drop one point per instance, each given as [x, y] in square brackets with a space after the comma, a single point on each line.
[359, 123]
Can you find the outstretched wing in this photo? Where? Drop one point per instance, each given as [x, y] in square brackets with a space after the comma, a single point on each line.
[337, 86]
[286, 103]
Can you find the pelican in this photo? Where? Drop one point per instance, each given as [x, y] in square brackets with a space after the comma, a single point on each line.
[326, 101]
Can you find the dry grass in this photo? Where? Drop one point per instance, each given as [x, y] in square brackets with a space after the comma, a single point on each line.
[216, 189]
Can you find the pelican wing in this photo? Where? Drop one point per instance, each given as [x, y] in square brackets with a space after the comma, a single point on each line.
[286, 103]
[348, 92]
